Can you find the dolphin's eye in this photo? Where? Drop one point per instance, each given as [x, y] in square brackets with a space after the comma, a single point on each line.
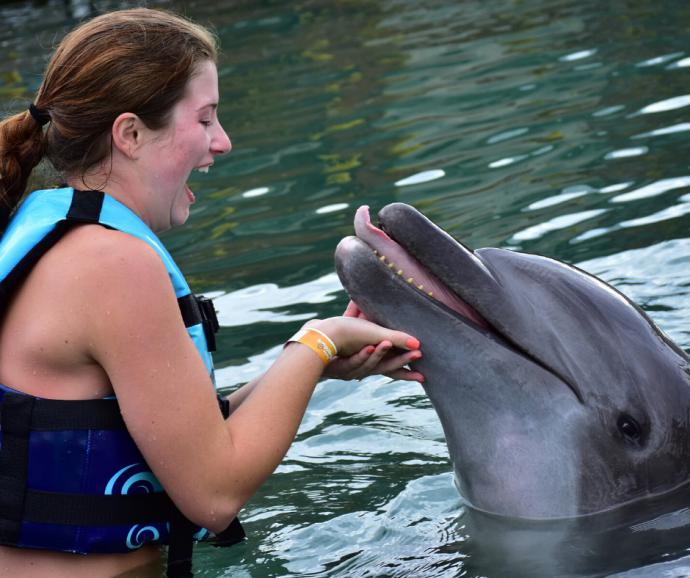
[629, 427]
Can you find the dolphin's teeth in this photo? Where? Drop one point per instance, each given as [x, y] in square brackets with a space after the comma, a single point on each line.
[382, 258]
[420, 287]
[376, 252]
[391, 265]
[410, 279]
[400, 271]
[431, 294]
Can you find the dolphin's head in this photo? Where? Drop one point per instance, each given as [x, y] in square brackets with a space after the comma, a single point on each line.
[557, 395]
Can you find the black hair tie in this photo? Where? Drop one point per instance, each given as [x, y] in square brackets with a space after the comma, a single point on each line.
[42, 117]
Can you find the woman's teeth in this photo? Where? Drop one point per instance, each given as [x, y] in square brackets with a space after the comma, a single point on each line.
[203, 169]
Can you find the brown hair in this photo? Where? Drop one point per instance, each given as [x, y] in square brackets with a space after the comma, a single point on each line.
[137, 61]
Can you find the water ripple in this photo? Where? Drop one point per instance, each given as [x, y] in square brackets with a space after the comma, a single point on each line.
[668, 104]
[560, 222]
[653, 189]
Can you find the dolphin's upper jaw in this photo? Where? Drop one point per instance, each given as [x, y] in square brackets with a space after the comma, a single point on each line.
[396, 258]
[467, 272]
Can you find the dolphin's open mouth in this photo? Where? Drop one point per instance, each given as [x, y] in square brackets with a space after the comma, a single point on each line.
[395, 257]
[418, 254]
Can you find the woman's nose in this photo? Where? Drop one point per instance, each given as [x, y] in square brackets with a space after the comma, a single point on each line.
[221, 144]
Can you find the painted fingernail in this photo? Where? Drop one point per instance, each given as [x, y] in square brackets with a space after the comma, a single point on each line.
[416, 355]
[412, 343]
[370, 349]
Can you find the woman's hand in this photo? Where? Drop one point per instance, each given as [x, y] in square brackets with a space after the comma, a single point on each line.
[375, 360]
[365, 348]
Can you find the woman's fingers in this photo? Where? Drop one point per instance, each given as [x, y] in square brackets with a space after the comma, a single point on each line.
[396, 361]
[353, 310]
[372, 363]
[406, 375]
[382, 359]
[349, 367]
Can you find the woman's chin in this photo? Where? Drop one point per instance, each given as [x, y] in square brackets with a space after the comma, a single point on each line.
[179, 216]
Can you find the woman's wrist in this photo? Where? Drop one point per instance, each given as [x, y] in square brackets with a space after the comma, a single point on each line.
[316, 340]
[328, 327]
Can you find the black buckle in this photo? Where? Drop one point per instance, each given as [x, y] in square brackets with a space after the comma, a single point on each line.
[233, 534]
[209, 320]
[224, 405]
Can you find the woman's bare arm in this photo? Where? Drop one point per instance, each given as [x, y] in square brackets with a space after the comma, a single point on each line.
[209, 467]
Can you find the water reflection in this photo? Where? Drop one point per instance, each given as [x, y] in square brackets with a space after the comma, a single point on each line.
[261, 303]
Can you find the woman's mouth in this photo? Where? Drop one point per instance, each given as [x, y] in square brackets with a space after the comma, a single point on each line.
[190, 194]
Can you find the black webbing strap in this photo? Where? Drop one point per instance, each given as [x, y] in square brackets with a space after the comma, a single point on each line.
[15, 423]
[224, 406]
[232, 535]
[181, 544]
[96, 509]
[85, 207]
[190, 310]
[59, 415]
[180, 547]
[197, 309]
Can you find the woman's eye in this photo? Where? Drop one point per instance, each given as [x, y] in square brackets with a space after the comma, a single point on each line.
[206, 122]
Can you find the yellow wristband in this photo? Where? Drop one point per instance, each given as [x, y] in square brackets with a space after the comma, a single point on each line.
[318, 342]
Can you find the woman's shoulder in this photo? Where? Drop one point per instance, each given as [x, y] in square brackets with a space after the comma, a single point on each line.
[95, 266]
[99, 251]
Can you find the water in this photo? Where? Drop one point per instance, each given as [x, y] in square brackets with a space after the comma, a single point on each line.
[558, 128]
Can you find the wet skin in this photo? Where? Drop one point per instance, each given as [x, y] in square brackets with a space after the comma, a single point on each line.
[558, 396]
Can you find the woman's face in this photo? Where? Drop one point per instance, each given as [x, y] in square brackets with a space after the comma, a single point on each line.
[192, 139]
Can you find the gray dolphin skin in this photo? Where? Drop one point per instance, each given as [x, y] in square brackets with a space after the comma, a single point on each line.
[558, 396]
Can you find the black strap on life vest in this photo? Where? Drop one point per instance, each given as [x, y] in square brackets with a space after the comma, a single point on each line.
[197, 309]
[21, 414]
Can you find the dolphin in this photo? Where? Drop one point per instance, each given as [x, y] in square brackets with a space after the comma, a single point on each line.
[558, 396]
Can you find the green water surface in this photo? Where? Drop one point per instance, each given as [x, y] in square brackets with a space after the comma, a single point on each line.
[552, 127]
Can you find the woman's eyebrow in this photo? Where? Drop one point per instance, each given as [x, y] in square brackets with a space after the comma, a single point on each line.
[213, 105]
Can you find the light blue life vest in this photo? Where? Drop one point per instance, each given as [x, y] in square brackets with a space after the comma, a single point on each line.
[71, 477]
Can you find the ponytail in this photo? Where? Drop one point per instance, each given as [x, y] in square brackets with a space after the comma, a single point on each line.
[21, 148]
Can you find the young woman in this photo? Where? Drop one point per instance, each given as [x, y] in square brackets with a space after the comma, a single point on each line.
[112, 440]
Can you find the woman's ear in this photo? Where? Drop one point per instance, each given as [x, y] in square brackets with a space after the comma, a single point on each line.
[127, 134]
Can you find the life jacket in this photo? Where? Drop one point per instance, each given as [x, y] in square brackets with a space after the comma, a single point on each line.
[71, 476]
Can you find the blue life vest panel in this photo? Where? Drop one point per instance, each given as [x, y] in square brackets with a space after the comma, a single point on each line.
[71, 477]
